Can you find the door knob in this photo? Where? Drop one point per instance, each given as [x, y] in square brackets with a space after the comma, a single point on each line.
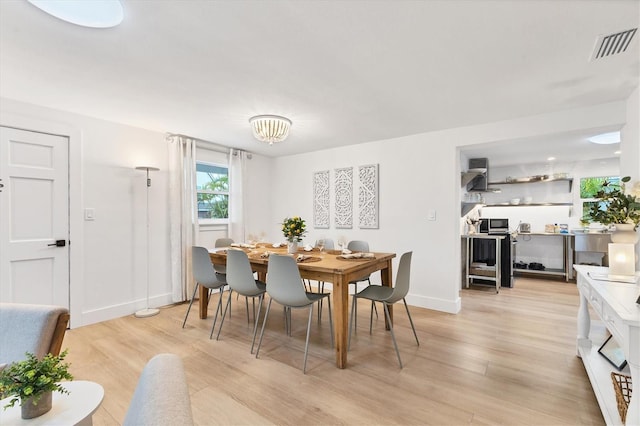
[58, 243]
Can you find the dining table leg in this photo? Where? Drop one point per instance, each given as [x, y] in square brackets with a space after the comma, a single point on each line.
[340, 296]
[204, 301]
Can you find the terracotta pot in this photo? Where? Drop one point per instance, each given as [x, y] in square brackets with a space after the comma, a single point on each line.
[29, 410]
[624, 233]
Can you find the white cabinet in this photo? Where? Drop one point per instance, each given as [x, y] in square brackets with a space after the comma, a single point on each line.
[615, 304]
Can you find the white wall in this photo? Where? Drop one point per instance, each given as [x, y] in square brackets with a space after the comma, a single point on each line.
[630, 146]
[418, 173]
[108, 269]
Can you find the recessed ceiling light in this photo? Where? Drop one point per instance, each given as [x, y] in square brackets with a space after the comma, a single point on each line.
[551, 159]
[618, 152]
[606, 138]
[86, 13]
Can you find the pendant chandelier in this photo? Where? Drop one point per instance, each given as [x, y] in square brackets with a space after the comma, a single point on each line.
[270, 128]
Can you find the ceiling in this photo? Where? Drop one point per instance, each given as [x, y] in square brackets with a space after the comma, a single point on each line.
[345, 72]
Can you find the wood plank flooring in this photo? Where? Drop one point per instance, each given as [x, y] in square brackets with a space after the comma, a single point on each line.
[507, 358]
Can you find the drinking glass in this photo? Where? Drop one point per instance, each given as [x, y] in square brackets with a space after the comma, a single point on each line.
[321, 246]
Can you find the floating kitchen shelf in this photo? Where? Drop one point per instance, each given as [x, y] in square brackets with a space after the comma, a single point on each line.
[569, 180]
[527, 205]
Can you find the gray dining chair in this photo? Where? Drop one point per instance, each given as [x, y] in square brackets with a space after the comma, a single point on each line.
[205, 275]
[327, 244]
[222, 242]
[241, 280]
[387, 296]
[361, 246]
[285, 286]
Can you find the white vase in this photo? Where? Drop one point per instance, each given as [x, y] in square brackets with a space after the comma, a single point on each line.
[292, 247]
[624, 234]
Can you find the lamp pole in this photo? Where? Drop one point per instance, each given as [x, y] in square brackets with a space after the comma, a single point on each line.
[147, 312]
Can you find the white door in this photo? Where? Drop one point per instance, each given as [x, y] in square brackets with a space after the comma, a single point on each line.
[34, 214]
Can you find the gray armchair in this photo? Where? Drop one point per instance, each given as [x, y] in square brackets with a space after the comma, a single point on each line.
[161, 397]
[38, 329]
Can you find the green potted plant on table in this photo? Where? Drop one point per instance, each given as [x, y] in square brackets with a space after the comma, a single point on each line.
[293, 229]
[32, 382]
[619, 208]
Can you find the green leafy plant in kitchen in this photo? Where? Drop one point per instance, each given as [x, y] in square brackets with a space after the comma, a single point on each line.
[615, 206]
[32, 377]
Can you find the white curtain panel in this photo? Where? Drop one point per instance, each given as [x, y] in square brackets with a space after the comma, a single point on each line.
[237, 163]
[183, 213]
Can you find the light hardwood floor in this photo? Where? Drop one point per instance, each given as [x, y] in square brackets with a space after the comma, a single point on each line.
[506, 358]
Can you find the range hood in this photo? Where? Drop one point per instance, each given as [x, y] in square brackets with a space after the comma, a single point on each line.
[479, 168]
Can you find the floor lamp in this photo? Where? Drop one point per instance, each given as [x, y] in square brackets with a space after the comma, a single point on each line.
[147, 312]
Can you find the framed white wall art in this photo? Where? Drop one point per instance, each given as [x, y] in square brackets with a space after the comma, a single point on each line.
[368, 196]
[321, 199]
[344, 197]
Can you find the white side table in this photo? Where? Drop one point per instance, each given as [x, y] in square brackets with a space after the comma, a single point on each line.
[76, 408]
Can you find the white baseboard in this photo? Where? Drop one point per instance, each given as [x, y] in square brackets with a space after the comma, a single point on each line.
[117, 311]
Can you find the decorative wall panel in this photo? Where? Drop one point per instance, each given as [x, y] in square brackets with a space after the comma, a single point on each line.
[321, 199]
[368, 196]
[344, 197]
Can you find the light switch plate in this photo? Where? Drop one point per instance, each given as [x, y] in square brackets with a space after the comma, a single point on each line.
[89, 214]
[431, 214]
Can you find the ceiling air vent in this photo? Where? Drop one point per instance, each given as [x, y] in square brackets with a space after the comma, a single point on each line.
[612, 44]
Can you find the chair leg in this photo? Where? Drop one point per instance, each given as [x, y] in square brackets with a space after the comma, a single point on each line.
[320, 290]
[246, 303]
[393, 336]
[253, 307]
[373, 305]
[353, 314]
[375, 308]
[330, 320]
[190, 303]
[306, 344]
[218, 309]
[223, 316]
[411, 321]
[255, 318]
[264, 322]
[355, 310]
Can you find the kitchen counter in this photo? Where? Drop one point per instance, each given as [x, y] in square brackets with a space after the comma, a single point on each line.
[565, 271]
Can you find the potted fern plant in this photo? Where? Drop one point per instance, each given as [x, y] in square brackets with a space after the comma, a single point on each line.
[32, 382]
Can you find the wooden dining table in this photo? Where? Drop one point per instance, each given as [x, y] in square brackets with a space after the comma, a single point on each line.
[328, 267]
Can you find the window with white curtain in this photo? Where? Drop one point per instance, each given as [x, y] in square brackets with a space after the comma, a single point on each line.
[212, 186]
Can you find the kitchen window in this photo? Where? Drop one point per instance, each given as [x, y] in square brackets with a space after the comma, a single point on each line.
[589, 187]
[212, 186]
